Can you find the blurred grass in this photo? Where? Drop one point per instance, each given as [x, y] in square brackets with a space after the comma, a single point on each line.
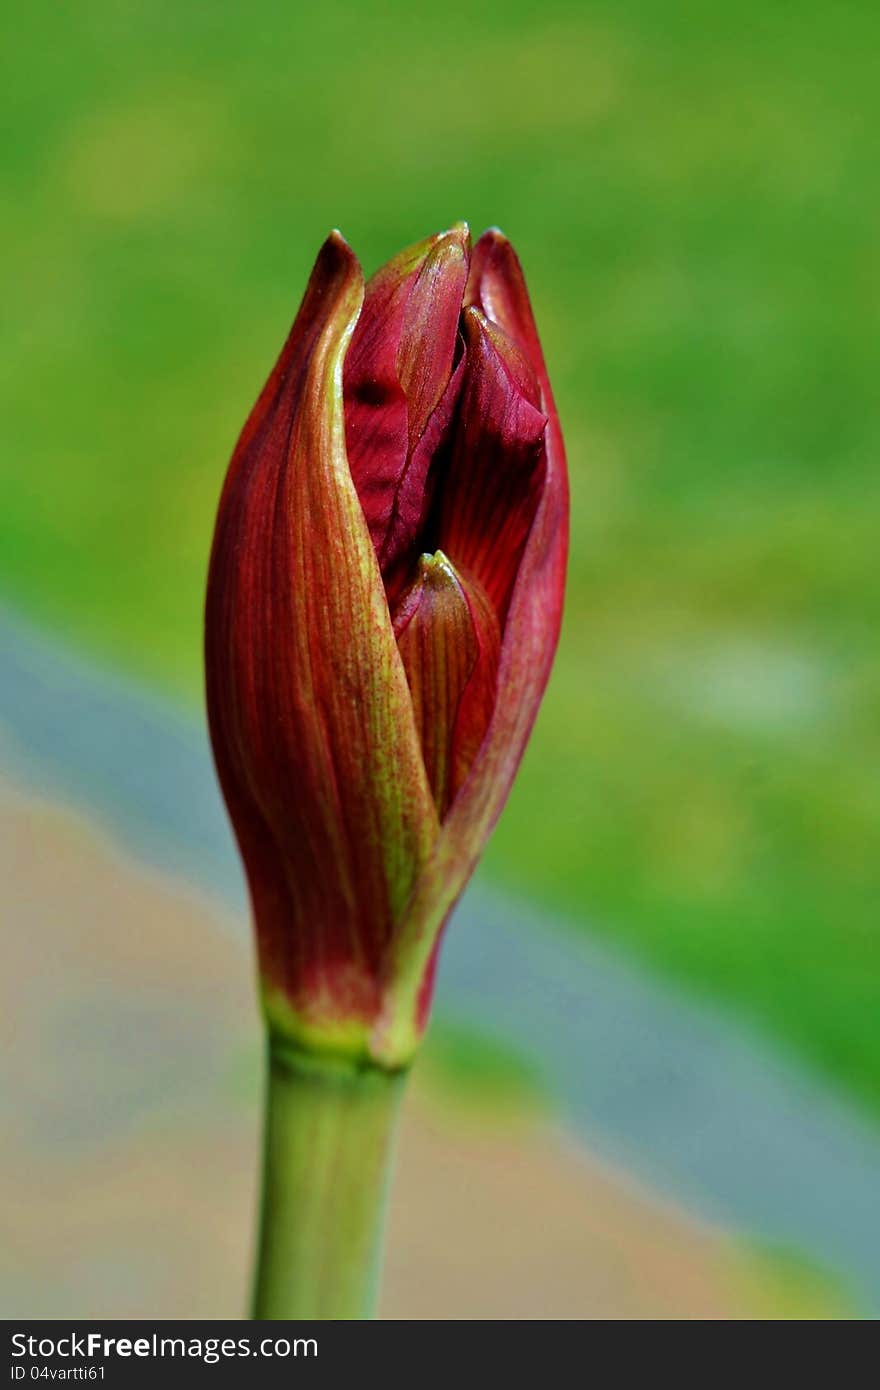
[694, 193]
[785, 1285]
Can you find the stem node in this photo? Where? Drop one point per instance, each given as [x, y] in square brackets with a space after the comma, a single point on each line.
[326, 1162]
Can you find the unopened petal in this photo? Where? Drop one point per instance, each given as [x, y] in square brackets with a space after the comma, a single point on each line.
[531, 631]
[397, 376]
[448, 637]
[492, 483]
[310, 713]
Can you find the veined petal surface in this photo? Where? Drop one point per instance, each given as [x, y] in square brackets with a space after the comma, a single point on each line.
[398, 372]
[495, 473]
[310, 712]
[448, 636]
[496, 288]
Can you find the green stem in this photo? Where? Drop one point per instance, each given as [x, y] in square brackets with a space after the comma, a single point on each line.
[329, 1127]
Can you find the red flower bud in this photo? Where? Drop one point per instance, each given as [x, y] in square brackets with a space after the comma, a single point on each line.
[384, 600]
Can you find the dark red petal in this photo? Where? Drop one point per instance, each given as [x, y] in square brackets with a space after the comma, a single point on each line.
[480, 693]
[528, 646]
[496, 286]
[310, 713]
[449, 639]
[397, 375]
[430, 327]
[492, 484]
[417, 488]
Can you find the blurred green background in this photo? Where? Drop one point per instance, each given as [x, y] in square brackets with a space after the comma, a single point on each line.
[695, 194]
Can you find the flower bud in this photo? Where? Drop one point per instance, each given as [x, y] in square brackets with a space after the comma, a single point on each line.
[383, 605]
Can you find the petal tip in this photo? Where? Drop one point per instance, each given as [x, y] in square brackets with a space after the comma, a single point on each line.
[461, 232]
[455, 242]
[337, 256]
[436, 569]
[488, 340]
[475, 321]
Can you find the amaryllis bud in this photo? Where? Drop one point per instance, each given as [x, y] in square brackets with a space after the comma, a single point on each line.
[383, 606]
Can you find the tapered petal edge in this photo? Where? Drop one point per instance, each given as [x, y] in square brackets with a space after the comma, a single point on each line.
[497, 288]
[309, 709]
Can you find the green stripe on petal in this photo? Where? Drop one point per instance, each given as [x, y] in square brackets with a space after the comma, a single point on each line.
[310, 713]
